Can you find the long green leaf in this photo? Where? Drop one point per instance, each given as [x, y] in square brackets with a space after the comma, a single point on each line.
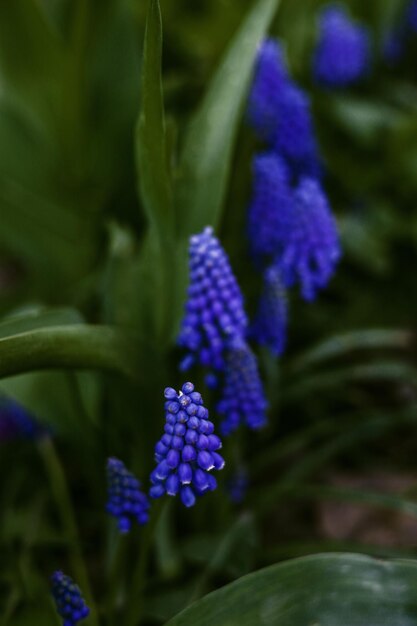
[153, 174]
[74, 346]
[208, 147]
[341, 345]
[322, 590]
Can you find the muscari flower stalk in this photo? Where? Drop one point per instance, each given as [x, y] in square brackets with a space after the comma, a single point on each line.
[310, 249]
[270, 324]
[342, 55]
[214, 312]
[68, 599]
[242, 397]
[16, 422]
[126, 500]
[187, 452]
[279, 112]
[270, 206]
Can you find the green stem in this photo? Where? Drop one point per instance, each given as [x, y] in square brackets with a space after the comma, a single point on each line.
[137, 586]
[117, 561]
[63, 502]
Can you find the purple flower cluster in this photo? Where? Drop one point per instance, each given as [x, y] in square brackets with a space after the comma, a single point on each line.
[342, 55]
[214, 310]
[270, 205]
[68, 599]
[188, 450]
[126, 500]
[311, 249]
[279, 111]
[242, 399]
[411, 15]
[270, 324]
[237, 486]
[16, 422]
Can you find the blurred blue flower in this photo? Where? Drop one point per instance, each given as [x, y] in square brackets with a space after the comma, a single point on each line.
[237, 486]
[411, 15]
[187, 452]
[279, 112]
[126, 500]
[271, 204]
[242, 396]
[214, 311]
[269, 327]
[310, 249]
[16, 422]
[393, 45]
[342, 55]
[68, 599]
[270, 78]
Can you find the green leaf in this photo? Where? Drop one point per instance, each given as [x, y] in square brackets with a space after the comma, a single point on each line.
[153, 174]
[74, 346]
[342, 345]
[31, 318]
[322, 590]
[208, 146]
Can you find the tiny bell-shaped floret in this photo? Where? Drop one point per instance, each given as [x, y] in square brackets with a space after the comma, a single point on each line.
[68, 599]
[187, 453]
[214, 312]
[342, 55]
[270, 325]
[311, 249]
[242, 398]
[126, 501]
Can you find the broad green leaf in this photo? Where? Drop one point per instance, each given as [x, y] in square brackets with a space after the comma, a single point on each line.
[342, 345]
[208, 147]
[74, 346]
[31, 318]
[322, 590]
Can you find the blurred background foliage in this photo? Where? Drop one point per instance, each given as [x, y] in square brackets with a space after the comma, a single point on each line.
[76, 247]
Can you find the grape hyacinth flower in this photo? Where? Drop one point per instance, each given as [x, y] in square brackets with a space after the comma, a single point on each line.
[16, 422]
[279, 112]
[393, 46]
[242, 398]
[187, 452]
[343, 50]
[270, 79]
[311, 248]
[68, 599]
[270, 325]
[411, 15]
[214, 312]
[126, 500]
[237, 486]
[270, 206]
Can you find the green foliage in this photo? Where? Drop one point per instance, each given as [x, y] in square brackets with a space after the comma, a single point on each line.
[119, 138]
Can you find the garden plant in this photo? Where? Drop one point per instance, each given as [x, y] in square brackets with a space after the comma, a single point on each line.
[208, 243]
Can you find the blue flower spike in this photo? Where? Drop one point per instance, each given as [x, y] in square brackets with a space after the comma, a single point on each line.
[342, 55]
[311, 249]
[16, 422]
[68, 599]
[188, 451]
[214, 311]
[126, 500]
[270, 325]
[243, 399]
[271, 204]
[270, 78]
